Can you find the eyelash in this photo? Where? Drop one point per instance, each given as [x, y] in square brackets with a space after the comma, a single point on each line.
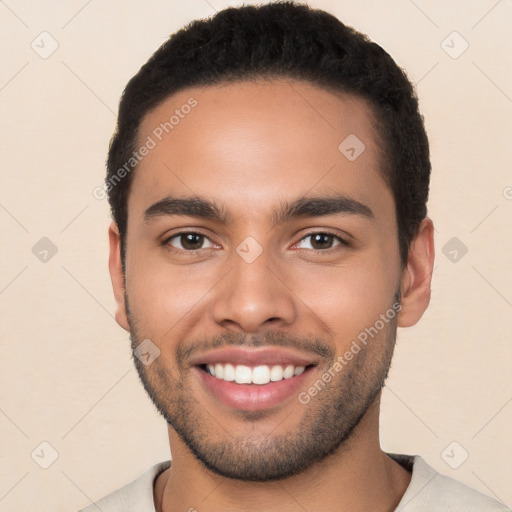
[322, 232]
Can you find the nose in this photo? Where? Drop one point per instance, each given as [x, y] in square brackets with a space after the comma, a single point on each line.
[254, 296]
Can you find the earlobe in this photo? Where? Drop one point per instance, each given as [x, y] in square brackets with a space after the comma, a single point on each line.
[417, 276]
[116, 275]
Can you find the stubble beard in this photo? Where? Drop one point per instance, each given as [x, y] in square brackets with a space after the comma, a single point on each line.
[329, 421]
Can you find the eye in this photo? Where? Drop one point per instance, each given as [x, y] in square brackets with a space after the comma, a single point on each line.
[188, 241]
[321, 241]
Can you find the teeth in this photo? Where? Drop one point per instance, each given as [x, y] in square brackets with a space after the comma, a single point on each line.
[262, 374]
[219, 371]
[243, 375]
[276, 373]
[288, 371]
[299, 370]
[229, 372]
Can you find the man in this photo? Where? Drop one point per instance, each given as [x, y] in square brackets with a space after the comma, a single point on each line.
[268, 181]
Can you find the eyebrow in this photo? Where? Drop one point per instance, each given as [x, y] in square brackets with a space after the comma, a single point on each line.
[301, 207]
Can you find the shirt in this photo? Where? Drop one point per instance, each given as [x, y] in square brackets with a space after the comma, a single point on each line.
[428, 491]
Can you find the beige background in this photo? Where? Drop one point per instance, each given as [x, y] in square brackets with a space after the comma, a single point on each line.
[66, 374]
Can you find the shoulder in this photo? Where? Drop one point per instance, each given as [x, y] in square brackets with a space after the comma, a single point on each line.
[433, 492]
[137, 496]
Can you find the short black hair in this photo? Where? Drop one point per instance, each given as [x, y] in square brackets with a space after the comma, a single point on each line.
[283, 40]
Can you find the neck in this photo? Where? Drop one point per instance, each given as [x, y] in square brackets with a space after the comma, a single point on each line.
[359, 476]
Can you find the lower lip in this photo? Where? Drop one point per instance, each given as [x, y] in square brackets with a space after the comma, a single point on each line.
[253, 397]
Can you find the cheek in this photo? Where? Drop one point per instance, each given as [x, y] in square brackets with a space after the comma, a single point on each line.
[349, 298]
[164, 298]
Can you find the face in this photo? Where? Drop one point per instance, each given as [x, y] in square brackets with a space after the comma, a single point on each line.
[259, 254]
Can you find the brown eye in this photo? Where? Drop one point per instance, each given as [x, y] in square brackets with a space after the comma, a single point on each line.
[188, 241]
[321, 241]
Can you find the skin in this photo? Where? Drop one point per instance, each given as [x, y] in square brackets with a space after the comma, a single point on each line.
[250, 146]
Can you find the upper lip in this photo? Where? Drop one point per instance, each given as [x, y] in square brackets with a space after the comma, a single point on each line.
[252, 357]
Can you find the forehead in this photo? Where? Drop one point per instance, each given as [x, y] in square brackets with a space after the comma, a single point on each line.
[251, 145]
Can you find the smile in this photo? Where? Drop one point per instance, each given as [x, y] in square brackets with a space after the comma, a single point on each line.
[251, 379]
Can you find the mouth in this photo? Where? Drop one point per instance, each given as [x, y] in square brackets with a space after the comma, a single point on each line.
[253, 379]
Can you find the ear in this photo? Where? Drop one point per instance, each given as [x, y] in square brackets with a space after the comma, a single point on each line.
[417, 275]
[116, 275]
